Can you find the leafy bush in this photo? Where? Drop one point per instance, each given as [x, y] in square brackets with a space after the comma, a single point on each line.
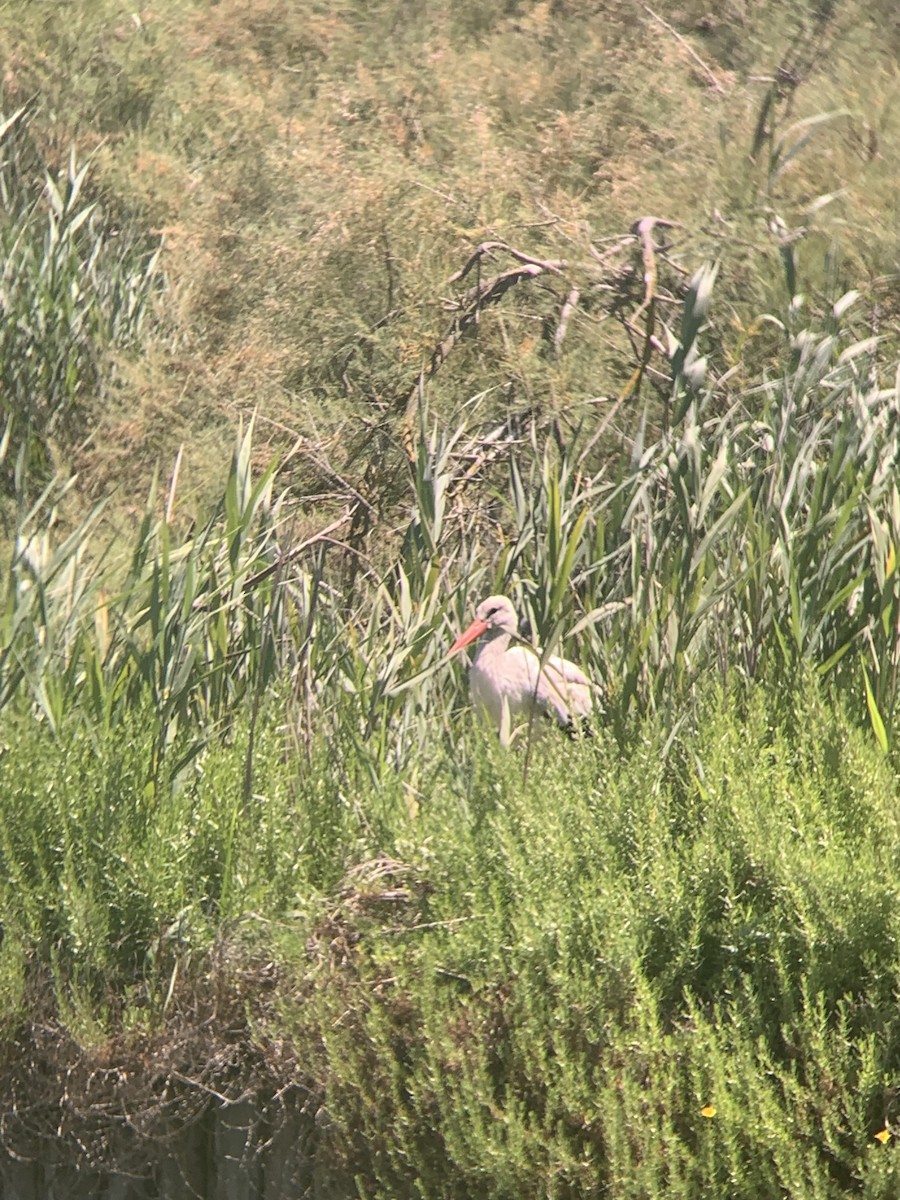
[647, 971]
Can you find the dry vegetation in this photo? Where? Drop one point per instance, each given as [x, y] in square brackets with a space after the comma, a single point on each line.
[319, 173]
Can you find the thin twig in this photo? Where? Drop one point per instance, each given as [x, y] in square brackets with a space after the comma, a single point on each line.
[448, 924]
[226, 1101]
[691, 51]
[644, 229]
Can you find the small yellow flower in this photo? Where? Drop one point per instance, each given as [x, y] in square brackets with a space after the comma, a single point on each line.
[883, 1135]
[708, 1110]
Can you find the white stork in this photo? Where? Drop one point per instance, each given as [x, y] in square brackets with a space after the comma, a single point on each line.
[507, 678]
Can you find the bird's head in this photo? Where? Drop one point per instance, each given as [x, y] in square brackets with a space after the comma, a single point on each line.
[495, 613]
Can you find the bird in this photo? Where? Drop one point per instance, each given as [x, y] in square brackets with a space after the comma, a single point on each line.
[509, 678]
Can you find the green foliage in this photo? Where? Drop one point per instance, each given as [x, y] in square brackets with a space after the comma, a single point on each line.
[191, 631]
[612, 947]
[322, 172]
[547, 977]
[756, 532]
[73, 289]
[529, 988]
[659, 962]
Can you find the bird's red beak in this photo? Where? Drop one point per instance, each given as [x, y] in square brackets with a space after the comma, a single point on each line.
[476, 629]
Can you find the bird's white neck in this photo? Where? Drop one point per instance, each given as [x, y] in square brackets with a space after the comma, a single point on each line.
[493, 644]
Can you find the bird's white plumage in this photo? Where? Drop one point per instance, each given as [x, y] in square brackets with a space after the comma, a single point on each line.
[509, 681]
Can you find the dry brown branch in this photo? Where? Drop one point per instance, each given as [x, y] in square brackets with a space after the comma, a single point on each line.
[486, 250]
[475, 299]
[323, 535]
[491, 446]
[644, 229]
[597, 273]
[565, 315]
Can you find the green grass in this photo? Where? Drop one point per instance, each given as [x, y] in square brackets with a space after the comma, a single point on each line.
[252, 840]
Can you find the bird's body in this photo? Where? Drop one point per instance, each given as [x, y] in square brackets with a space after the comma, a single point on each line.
[509, 679]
